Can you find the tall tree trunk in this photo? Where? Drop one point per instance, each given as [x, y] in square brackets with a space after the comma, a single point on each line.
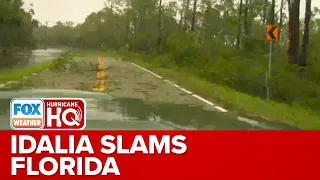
[127, 32]
[144, 27]
[293, 51]
[264, 18]
[305, 41]
[159, 28]
[194, 15]
[246, 9]
[273, 4]
[206, 22]
[265, 9]
[239, 25]
[46, 38]
[181, 14]
[251, 18]
[186, 15]
[133, 32]
[281, 18]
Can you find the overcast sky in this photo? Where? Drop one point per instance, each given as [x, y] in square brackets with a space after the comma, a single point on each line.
[77, 10]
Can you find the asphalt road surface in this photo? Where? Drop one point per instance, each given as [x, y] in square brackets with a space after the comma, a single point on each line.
[133, 98]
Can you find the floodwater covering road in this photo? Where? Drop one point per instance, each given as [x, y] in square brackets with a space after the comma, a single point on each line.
[26, 58]
[133, 99]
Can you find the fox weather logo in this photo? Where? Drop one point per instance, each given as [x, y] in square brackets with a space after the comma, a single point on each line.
[26, 113]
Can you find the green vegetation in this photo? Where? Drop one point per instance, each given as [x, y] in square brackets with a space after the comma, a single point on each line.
[10, 75]
[16, 26]
[216, 48]
[18, 73]
[238, 102]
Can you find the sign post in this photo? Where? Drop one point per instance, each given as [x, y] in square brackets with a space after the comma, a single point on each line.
[272, 35]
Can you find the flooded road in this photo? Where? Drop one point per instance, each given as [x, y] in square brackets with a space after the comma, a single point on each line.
[26, 58]
[105, 112]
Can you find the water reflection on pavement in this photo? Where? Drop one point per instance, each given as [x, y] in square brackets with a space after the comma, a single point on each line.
[105, 112]
[26, 58]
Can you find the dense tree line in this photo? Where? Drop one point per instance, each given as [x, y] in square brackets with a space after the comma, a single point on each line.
[16, 25]
[222, 41]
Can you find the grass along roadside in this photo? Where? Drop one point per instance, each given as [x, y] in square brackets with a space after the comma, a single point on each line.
[229, 98]
[16, 74]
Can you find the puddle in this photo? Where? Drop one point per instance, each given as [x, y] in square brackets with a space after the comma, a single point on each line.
[105, 112]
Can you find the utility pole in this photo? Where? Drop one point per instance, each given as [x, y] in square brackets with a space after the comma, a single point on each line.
[46, 37]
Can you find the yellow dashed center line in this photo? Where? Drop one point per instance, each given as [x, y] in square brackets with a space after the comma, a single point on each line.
[101, 76]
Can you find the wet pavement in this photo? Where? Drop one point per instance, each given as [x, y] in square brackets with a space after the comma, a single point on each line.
[133, 99]
[106, 112]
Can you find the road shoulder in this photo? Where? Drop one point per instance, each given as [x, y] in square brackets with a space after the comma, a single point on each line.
[122, 80]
